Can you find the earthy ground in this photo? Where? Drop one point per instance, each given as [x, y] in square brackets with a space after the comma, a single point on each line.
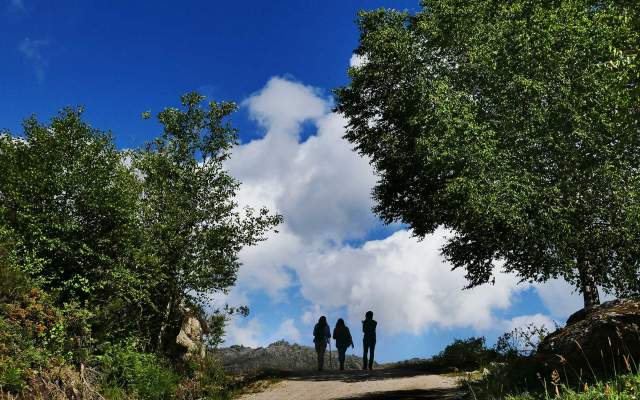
[378, 384]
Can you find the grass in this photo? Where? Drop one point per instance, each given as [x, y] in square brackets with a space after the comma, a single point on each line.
[518, 379]
[624, 387]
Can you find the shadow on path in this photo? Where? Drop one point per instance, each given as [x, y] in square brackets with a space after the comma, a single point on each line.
[414, 394]
[351, 376]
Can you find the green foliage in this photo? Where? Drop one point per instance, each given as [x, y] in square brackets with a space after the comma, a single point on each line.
[209, 382]
[35, 334]
[624, 387]
[193, 228]
[465, 354]
[69, 200]
[521, 341]
[513, 124]
[99, 245]
[127, 370]
[469, 354]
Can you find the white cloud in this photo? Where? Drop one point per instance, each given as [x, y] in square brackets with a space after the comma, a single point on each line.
[322, 188]
[282, 105]
[357, 60]
[247, 333]
[405, 282]
[559, 297]
[251, 332]
[538, 320]
[32, 52]
[288, 331]
[563, 299]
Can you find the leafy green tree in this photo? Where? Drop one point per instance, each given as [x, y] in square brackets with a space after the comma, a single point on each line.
[513, 124]
[193, 227]
[70, 204]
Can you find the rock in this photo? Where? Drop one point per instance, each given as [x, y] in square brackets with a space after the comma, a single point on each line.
[280, 355]
[602, 339]
[189, 339]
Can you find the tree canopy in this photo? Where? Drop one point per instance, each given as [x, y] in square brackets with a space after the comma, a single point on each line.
[514, 124]
[135, 236]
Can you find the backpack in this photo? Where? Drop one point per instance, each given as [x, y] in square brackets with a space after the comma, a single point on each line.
[319, 333]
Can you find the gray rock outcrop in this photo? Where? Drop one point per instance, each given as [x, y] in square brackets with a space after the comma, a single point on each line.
[280, 355]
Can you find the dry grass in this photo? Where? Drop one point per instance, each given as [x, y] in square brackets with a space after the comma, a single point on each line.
[59, 384]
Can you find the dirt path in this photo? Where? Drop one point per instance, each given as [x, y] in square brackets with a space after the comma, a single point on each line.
[380, 384]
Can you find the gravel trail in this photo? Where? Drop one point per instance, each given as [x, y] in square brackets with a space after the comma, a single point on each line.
[378, 384]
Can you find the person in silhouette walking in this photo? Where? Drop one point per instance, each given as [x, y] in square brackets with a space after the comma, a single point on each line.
[342, 335]
[321, 336]
[369, 340]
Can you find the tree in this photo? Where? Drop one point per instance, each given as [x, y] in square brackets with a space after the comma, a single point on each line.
[194, 229]
[70, 202]
[138, 237]
[513, 124]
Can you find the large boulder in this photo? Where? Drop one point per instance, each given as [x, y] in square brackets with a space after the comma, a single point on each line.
[190, 338]
[600, 340]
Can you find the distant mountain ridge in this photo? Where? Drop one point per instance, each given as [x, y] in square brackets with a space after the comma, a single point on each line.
[280, 355]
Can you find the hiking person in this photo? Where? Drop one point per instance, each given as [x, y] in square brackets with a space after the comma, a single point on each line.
[369, 340]
[343, 339]
[321, 336]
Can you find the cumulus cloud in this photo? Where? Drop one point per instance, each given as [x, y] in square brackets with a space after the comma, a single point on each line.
[282, 105]
[322, 188]
[357, 60]
[523, 321]
[563, 299]
[406, 282]
[288, 331]
[245, 332]
[319, 185]
[31, 50]
[559, 297]
[252, 333]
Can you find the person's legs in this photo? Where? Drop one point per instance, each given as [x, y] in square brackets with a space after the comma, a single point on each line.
[341, 356]
[320, 350]
[372, 349]
[365, 346]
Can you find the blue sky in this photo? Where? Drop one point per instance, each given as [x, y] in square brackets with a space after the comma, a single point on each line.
[278, 60]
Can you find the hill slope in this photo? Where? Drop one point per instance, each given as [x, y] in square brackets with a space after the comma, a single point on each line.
[279, 355]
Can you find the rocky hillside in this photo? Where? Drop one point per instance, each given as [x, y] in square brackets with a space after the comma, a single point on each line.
[280, 355]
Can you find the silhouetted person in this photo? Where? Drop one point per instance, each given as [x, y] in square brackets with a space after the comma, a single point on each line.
[342, 335]
[369, 340]
[321, 336]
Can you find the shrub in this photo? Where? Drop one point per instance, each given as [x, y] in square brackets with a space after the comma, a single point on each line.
[623, 387]
[521, 341]
[466, 354]
[126, 370]
[208, 381]
[34, 335]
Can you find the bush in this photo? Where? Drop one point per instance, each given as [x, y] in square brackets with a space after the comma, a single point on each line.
[126, 370]
[34, 335]
[521, 341]
[466, 354]
[208, 381]
[624, 387]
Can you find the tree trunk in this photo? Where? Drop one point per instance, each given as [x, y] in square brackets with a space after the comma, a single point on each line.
[588, 285]
[163, 324]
